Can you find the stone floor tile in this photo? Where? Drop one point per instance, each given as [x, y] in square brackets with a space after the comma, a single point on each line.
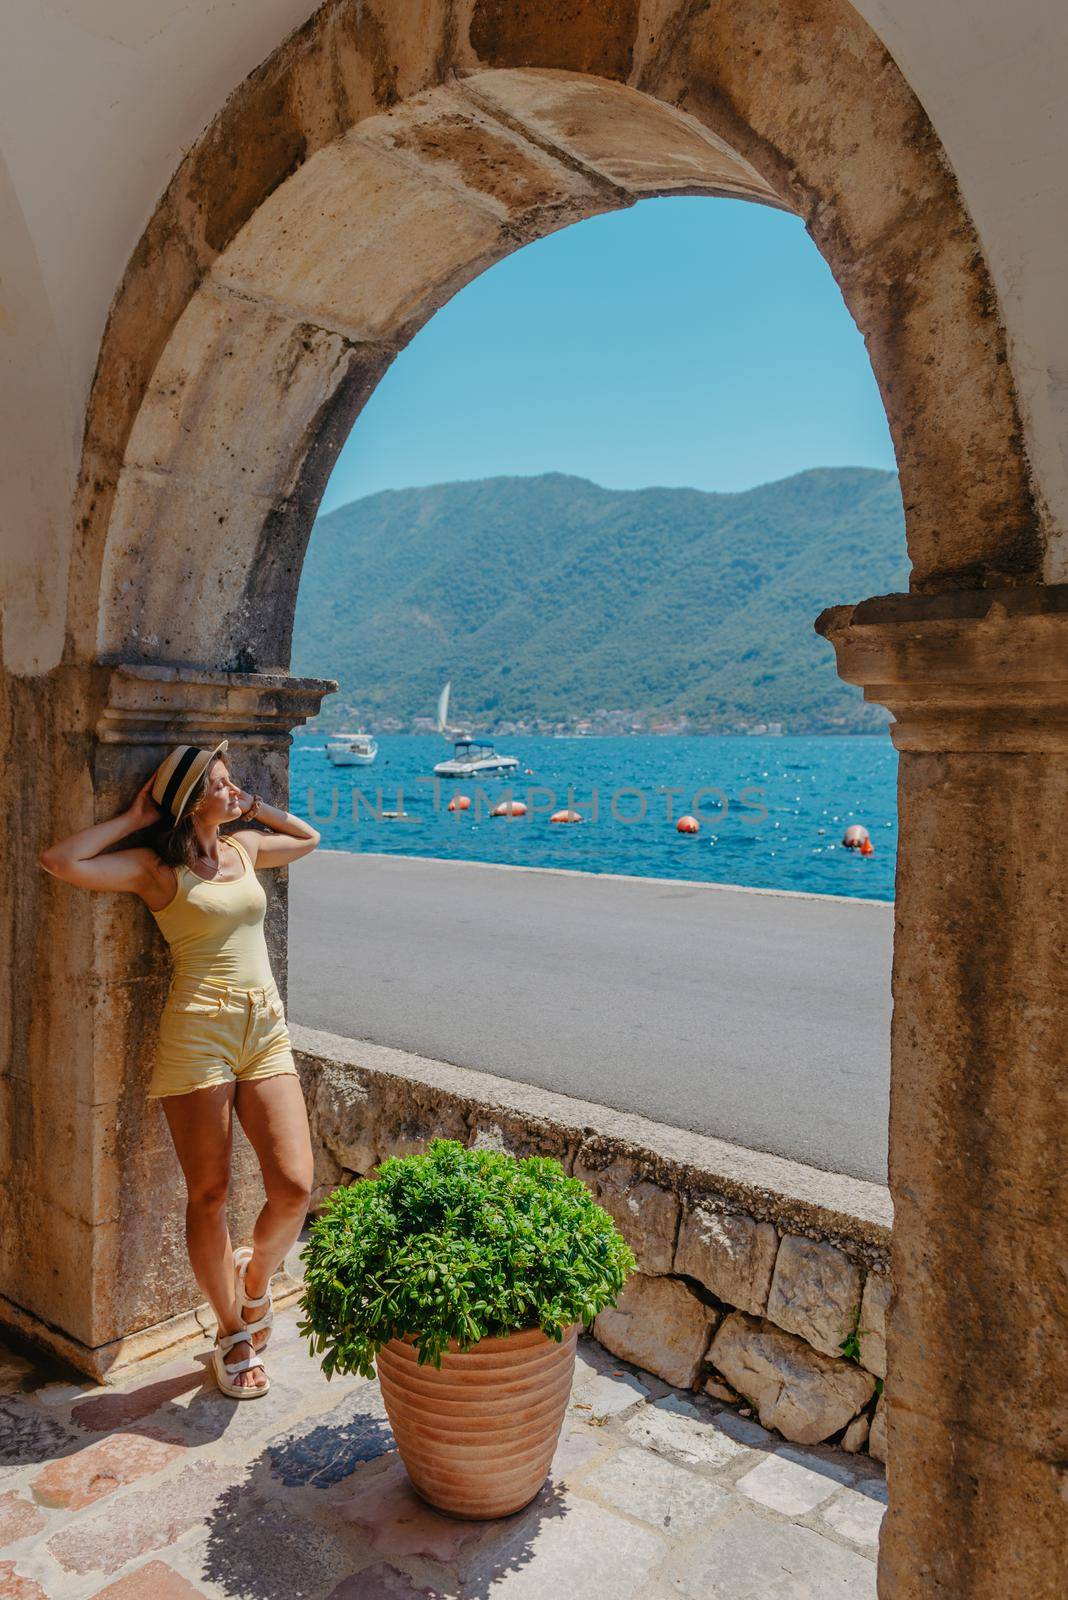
[746, 1431]
[593, 1358]
[154, 1581]
[606, 1395]
[753, 1557]
[577, 1447]
[658, 1491]
[396, 1523]
[329, 1446]
[857, 1514]
[695, 1438]
[563, 1548]
[382, 1582]
[205, 1417]
[103, 1413]
[67, 1394]
[15, 1587]
[19, 1518]
[255, 1547]
[29, 1435]
[101, 1468]
[142, 1520]
[789, 1485]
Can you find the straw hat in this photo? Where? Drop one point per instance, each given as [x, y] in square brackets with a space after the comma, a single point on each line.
[179, 774]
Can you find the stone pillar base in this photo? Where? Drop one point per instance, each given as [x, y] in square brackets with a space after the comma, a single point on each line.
[107, 1362]
[93, 1262]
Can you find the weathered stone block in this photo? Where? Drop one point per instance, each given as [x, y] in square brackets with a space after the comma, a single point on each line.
[660, 1325]
[753, 1556]
[663, 1493]
[149, 1521]
[344, 1117]
[410, 1136]
[730, 1253]
[815, 1292]
[856, 1435]
[787, 1482]
[19, 1518]
[154, 1581]
[877, 1436]
[805, 1395]
[676, 1427]
[516, 1135]
[873, 1308]
[327, 1174]
[77, 1480]
[646, 1215]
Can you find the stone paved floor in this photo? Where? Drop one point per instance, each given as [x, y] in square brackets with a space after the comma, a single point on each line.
[161, 1487]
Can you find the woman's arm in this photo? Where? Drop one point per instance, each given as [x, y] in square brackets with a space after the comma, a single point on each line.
[289, 839]
[78, 859]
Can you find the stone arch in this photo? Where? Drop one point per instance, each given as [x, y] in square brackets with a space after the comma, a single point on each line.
[428, 139]
[366, 171]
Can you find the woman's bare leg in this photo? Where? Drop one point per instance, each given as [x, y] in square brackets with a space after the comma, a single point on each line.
[274, 1117]
[201, 1125]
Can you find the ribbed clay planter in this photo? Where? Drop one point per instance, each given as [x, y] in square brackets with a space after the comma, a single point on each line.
[477, 1436]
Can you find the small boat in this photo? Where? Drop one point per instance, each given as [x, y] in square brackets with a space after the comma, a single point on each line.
[471, 758]
[352, 749]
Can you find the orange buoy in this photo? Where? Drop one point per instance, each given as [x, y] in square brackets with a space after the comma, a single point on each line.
[460, 802]
[566, 816]
[867, 848]
[687, 825]
[856, 837]
[509, 808]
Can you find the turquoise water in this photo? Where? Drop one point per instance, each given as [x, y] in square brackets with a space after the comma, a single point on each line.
[773, 817]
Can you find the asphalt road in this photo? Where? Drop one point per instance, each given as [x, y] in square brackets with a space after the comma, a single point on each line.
[759, 1018]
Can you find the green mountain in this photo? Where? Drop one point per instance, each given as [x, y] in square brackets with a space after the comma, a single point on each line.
[552, 598]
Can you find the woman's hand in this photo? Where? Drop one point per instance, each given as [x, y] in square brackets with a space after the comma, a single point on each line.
[243, 797]
[143, 810]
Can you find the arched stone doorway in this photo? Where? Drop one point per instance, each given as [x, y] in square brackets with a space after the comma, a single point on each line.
[371, 167]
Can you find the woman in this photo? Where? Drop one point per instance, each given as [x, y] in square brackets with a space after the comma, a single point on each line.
[223, 1044]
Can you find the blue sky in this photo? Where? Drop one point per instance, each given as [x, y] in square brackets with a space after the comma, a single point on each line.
[683, 342]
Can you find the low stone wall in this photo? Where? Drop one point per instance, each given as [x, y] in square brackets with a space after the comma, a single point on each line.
[761, 1281]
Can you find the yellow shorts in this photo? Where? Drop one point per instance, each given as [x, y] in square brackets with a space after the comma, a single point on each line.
[212, 1033]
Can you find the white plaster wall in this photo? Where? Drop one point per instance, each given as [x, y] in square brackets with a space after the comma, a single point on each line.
[99, 100]
[992, 78]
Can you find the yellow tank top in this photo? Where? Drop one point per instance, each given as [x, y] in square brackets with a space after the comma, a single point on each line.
[215, 930]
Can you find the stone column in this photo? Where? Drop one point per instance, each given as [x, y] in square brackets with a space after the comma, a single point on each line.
[977, 1378]
[94, 1263]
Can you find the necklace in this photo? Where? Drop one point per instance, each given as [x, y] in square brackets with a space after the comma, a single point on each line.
[218, 864]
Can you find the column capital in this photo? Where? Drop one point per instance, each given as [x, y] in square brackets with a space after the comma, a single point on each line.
[969, 670]
[161, 704]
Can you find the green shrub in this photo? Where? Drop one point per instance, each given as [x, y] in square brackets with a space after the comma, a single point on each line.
[455, 1244]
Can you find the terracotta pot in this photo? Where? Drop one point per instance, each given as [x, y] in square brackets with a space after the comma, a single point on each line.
[477, 1435]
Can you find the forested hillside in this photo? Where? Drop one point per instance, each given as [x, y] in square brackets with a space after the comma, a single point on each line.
[551, 597]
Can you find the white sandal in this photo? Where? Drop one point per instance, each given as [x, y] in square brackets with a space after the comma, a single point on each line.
[224, 1375]
[242, 1257]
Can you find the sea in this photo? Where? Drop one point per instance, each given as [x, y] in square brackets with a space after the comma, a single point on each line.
[771, 812]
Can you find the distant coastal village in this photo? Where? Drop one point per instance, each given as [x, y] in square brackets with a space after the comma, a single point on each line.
[598, 723]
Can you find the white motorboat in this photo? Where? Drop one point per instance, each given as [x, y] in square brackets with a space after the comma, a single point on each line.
[471, 758]
[352, 749]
